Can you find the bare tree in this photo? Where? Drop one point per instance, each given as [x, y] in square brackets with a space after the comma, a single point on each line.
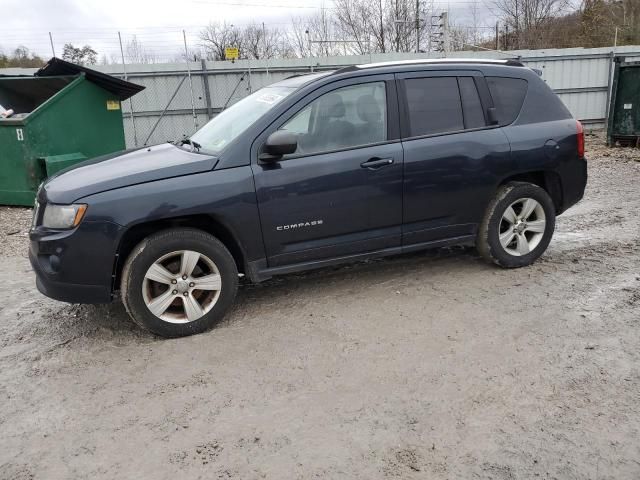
[297, 37]
[385, 25]
[460, 36]
[631, 21]
[601, 19]
[216, 37]
[354, 22]
[261, 42]
[135, 52]
[253, 41]
[474, 32]
[371, 26]
[528, 19]
[378, 29]
[314, 35]
[402, 25]
[322, 34]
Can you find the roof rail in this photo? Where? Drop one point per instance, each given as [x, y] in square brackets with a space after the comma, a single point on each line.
[511, 62]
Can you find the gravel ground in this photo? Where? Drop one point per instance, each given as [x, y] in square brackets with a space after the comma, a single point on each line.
[14, 230]
[433, 365]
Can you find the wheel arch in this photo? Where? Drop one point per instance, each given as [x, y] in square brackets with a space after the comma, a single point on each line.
[214, 226]
[547, 180]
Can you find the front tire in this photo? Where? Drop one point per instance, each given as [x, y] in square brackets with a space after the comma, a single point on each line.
[179, 282]
[517, 226]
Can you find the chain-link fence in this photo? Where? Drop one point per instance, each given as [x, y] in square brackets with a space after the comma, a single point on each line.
[175, 104]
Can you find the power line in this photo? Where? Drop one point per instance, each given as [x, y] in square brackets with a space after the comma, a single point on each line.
[234, 4]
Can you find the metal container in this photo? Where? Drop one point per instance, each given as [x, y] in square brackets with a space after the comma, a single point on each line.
[624, 109]
[63, 115]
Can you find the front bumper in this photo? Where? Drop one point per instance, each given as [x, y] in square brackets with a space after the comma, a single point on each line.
[68, 292]
[75, 266]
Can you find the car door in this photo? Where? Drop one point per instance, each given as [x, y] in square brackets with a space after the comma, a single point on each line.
[340, 193]
[453, 157]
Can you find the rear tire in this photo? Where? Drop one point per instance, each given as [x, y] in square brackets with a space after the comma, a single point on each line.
[517, 226]
[179, 282]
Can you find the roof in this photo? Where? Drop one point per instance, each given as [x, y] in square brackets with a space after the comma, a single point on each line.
[297, 81]
[121, 88]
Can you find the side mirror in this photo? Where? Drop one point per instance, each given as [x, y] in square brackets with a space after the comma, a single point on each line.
[279, 143]
[492, 114]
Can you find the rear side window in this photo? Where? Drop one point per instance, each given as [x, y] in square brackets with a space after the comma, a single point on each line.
[508, 95]
[471, 106]
[433, 105]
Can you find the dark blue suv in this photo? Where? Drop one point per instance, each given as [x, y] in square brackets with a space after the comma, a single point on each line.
[315, 170]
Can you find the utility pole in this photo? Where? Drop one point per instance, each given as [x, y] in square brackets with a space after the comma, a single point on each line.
[417, 26]
[517, 27]
[438, 36]
[384, 50]
[445, 33]
[53, 50]
[497, 36]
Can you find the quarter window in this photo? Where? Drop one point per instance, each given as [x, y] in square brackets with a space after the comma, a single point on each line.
[347, 117]
[433, 105]
[508, 95]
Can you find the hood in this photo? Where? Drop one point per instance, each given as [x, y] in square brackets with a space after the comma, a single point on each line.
[123, 169]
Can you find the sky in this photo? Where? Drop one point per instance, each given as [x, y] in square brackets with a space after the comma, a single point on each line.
[158, 24]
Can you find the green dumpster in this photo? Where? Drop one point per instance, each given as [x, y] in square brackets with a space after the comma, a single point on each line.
[64, 114]
[623, 127]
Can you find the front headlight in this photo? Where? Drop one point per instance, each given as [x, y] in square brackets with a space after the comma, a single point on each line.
[63, 216]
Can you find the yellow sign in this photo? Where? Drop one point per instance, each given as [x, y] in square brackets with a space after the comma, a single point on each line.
[113, 105]
[231, 53]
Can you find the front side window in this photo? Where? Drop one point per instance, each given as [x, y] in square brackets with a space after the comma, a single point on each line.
[229, 124]
[347, 117]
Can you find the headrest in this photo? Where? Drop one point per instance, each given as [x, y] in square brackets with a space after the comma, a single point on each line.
[368, 109]
[333, 106]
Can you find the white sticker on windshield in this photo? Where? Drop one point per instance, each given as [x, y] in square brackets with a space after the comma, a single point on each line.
[269, 98]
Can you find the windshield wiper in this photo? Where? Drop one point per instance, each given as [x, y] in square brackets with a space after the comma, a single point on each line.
[194, 145]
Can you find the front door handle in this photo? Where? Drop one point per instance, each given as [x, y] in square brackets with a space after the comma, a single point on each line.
[376, 163]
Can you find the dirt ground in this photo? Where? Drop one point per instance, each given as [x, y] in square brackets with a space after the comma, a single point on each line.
[431, 366]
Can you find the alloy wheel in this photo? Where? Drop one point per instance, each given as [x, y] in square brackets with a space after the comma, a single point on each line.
[522, 226]
[181, 286]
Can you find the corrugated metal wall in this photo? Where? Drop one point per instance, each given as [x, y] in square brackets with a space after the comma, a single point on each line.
[579, 76]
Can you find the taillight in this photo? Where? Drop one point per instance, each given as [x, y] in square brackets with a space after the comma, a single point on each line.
[580, 138]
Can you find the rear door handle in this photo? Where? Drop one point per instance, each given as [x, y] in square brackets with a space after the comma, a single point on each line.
[376, 163]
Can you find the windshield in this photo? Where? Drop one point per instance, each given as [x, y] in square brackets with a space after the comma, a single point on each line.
[233, 121]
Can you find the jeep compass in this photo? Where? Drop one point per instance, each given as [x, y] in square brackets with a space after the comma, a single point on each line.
[315, 170]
